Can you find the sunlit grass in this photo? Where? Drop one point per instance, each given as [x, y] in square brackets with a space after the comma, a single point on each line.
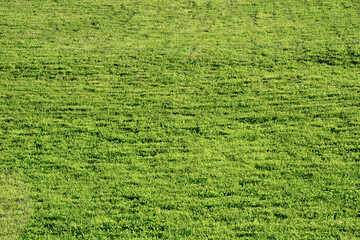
[181, 119]
[14, 205]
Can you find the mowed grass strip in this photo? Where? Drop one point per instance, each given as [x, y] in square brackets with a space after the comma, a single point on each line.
[186, 119]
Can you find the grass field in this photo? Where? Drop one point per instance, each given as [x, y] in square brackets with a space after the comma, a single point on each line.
[196, 119]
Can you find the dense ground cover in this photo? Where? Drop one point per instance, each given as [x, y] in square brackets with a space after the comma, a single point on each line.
[179, 119]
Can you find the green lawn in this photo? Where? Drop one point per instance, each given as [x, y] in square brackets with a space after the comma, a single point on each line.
[186, 119]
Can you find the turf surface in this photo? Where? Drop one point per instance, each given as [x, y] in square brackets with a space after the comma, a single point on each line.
[180, 119]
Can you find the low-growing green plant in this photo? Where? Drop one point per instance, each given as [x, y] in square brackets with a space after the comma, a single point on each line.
[14, 205]
[180, 119]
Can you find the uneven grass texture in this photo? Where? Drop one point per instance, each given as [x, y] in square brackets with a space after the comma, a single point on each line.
[180, 119]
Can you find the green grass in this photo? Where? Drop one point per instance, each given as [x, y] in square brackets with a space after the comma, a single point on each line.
[14, 205]
[180, 119]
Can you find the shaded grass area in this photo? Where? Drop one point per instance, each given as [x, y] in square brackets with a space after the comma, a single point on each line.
[194, 119]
